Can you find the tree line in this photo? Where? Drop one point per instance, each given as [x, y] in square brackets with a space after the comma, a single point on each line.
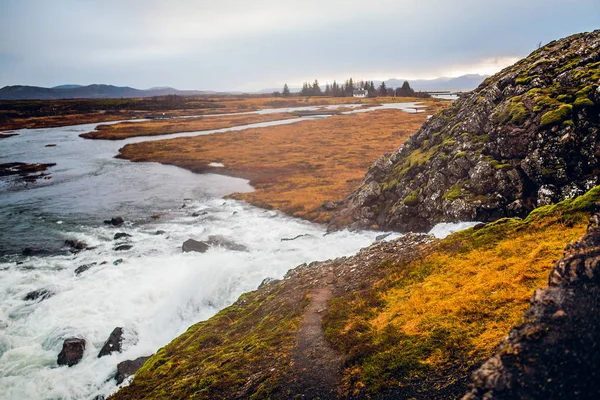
[347, 89]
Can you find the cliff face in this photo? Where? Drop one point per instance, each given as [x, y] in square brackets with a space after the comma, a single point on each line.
[526, 137]
[555, 353]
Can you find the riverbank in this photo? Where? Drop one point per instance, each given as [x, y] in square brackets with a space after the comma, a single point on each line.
[294, 168]
[124, 130]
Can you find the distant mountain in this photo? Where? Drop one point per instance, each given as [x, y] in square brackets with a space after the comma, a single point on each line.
[461, 83]
[66, 86]
[19, 92]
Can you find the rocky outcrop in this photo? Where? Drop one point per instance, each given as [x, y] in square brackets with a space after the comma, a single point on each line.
[113, 343]
[72, 351]
[115, 221]
[555, 353]
[40, 294]
[195, 246]
[527, 136]
[127, 368]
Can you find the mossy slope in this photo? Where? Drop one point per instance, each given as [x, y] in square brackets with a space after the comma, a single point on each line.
[412, 317]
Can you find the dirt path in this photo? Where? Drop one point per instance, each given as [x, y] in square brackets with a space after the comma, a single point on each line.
[317, 365]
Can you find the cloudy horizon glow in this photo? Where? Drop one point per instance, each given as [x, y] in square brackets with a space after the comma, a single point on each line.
[250, 45]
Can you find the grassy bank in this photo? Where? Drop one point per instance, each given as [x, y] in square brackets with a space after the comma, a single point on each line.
[411, 320]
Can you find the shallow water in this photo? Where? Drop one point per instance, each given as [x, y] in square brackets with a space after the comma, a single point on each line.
[156, 292]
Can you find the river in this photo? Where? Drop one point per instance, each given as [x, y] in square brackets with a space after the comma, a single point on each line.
[153, 290]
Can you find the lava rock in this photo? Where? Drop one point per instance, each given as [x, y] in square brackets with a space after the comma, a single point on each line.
[226, 243]
[72, 351]
[82, 268]
[120, 235]
[115, 221]
[113, 343]
[123, 247]
[127, 368]
[40, 294]
[194, 245]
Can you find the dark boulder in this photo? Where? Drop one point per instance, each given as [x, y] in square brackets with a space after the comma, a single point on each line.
[115, 221]
[226, 243]
[76, 245]
[82, 268]
[123, 247]
[159, 232]
[127, 368]
[555, 354]
[117, 262]
[113, 343]
[120, 235]
[72, 351]
[194, 245]
[40, 294]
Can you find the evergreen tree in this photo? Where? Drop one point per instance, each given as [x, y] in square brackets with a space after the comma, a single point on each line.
[327, 90]
[286, 90]
[305, 89]
[382, 89]
[316, 89]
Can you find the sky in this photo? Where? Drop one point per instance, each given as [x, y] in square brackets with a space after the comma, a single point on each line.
[253, 44]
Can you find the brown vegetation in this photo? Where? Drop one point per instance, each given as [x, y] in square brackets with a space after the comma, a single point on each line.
[294, 168]
[126, 130]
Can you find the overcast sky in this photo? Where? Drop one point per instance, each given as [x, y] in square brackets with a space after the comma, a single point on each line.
[250, 44]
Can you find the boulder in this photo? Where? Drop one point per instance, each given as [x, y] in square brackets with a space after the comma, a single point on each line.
[40, 294]
[226, 243]
[159, 232]
[123, 247]
[113, 343]
[82, 268]
[115, 221]
[194, 245]
[72, 351]
[127, 368]
[117, 262]
[76, 245]
[120, 235]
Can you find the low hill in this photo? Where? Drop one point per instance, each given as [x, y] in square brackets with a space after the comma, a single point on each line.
[19, 92]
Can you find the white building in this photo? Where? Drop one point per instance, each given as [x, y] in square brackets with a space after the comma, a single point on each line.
[360, 93]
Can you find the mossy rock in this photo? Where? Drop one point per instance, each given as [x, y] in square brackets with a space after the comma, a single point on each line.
[555, 117]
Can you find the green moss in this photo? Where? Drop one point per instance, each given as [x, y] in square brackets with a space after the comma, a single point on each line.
[555, 117]
[583, 102]
[455, 192]
[412, 199]
[462, 154]
[523, 80]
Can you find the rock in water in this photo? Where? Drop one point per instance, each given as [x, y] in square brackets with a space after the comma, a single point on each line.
[40, 294]
[120, 235]
[527, 136]
[82, 268]
[115, 221]
[556, 353]
[226, 243]
[127, 368]
[113, 343]
[72, 351]
[194, 245]
[123, 247]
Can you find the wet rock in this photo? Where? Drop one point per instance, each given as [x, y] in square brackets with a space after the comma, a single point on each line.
[194, 245]
[159, 232]
[33, 251]
[226, 243]
[127, 368]
[379, 238]
[123, 247]
[72, 351]
[113, 343]
[117, 262]
[115, 221]
[50, 145]
[40, 294]
[82, 268]
[120, 235]
[76, 245]
[294, 238]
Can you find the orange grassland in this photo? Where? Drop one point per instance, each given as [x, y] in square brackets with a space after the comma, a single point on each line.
[294, 168]
[124, 130]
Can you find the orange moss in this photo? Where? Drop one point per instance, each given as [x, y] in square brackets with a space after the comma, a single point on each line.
[295, 167]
